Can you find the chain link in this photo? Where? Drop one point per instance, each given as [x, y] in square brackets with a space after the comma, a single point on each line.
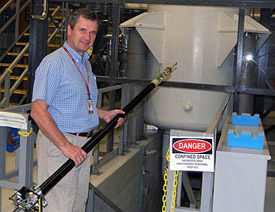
[167, 156]
[174, 193]
[25, 134]
[175, 184]
[164, 197]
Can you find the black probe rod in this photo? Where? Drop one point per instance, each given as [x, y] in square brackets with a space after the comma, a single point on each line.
[48, 184]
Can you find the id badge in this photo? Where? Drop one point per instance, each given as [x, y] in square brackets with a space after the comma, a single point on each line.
[90, 106]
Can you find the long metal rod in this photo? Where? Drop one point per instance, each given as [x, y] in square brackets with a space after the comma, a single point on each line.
[48, 184]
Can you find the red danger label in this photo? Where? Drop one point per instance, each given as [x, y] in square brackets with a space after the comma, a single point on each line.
[192, 146]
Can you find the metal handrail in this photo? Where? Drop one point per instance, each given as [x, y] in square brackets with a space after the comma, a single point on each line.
[12, 89]
[6, 75]
[43, 16]
[14, 16]
[14, 63]
[56, 30]
[6, 6]
[11, 46]
[96, 161]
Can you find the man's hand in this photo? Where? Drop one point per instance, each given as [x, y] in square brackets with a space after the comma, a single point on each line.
[47, 125]
[73, 152]
[108, 115]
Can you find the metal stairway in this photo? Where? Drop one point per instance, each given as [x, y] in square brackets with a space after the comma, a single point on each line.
[14, 59]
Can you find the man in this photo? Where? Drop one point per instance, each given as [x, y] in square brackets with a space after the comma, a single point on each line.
[64, 107]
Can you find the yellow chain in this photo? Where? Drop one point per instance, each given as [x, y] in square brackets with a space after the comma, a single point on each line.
[175, 184]
[25, 134]
[164, 197]
[167, 156]
[174, 193]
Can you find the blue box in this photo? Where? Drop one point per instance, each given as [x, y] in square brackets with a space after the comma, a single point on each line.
[245, 139]
[245, 119]
[245, 132]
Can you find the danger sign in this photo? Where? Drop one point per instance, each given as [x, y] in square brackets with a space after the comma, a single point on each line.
[191, 154]
[192, 146]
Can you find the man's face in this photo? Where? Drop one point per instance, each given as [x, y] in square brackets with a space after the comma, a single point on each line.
[83, 35]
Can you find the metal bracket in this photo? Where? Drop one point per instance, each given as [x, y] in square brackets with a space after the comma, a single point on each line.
[28, 199]
[44, 13]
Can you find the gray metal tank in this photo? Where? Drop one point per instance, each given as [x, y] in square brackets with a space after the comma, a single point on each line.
[201, 40]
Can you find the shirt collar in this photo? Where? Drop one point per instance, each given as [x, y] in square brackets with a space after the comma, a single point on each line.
[75, 55]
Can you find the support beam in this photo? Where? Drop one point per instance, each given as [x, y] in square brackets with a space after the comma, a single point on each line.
[113, 66]
[262, 62]
[239, 61]
[38, 43]
[226, 3]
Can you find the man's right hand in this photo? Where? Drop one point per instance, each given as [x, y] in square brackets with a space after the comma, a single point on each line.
[47, 125]
[75, 153]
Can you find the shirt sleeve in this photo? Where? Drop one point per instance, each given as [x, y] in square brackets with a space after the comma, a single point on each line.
[47, 80]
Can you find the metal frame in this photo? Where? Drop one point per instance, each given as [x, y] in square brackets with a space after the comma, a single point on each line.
[49, 183]
[262, 61]
[94, 191]
[15, 16]
[207, 177]
[174, 84]
[24, 156]
[38, 43]
[24, 172]
[226, 3]
[251, 162]
[124, 140]
[239, 60]
[35, 59]
[236, 89]
[96, 161]
[5, 77]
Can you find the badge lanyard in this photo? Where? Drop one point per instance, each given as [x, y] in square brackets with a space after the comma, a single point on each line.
[90, 102]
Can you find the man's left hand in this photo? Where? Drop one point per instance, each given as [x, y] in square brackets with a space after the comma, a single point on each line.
[111, 114]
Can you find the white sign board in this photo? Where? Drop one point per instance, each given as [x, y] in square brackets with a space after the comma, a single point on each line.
[14, 120]
[191, 154]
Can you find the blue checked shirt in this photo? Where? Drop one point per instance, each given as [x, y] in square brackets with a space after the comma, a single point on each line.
[59, 83]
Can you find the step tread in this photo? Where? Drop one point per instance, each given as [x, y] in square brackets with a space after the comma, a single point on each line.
[17, 65]
[18, 91]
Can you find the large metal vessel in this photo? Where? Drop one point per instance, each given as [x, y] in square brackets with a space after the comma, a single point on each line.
[201, 40]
